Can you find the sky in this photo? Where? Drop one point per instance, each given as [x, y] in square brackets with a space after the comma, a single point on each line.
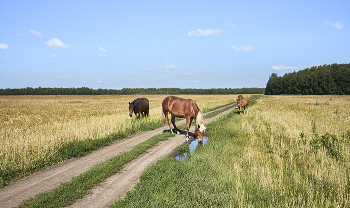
[167, 44]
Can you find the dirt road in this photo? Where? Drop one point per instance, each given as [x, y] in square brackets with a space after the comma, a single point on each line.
[110, 190]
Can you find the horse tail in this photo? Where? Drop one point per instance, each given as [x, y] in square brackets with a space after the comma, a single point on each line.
[163, 117]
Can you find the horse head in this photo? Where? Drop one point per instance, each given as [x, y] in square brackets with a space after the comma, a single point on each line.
[131, 108]
[200, 128]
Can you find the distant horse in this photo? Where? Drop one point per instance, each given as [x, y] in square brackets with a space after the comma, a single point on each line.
[240, 97]
[242, 103]
[139, 106]
[183, 108]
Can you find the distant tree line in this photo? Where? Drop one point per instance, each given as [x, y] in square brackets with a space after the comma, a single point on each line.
[321, 80]
[127, 91]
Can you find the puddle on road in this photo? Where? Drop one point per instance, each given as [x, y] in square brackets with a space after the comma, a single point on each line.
[193, 145]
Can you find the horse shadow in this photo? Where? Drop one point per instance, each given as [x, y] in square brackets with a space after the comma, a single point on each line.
[191, 135]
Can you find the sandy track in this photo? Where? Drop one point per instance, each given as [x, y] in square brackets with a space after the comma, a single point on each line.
[110, 190]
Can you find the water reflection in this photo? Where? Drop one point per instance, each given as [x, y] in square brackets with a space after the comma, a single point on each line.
[193, 145]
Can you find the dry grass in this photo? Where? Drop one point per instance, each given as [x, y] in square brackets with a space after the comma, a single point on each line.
[37, 125]
[286, 163]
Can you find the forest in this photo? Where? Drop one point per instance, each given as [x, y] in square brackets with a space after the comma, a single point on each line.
[331, 79]
[128, 91]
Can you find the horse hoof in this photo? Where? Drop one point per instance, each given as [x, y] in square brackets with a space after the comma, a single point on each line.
[178, 133]
[187, 139]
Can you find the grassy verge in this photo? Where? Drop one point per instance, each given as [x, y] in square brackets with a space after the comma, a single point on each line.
[75, 148]
[66, 193]
[246, 164]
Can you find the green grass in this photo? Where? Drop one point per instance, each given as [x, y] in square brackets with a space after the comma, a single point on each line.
[212, 114]
[66, 193]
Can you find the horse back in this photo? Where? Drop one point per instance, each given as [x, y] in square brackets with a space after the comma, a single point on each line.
[141, 105]
[179, 107]
[243, 102]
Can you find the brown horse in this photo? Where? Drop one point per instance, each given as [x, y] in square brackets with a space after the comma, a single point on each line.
[183, 108]
[240, 97]
[242, 103]
[139, 106]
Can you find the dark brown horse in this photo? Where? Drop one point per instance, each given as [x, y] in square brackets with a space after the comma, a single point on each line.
[183, 108]
[139, 106]
[240, 97]
[242, 103]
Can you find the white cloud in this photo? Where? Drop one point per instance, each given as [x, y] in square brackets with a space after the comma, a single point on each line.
[98, 82]
[335, 25]
[51, 56]
[57, 44]
[170, 67]
[4, 46]
[36, 33]
[187, 76]
[242, 48]
[200, 32]
[164, 72]
[101, 55]
[62, 78]
[152, 80]
[282, 68]
[109, 83]
[101, 49]
[195, 81]
[19, 34]
[205, 73]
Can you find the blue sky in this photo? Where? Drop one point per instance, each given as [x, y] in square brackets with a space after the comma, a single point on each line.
[157, 44]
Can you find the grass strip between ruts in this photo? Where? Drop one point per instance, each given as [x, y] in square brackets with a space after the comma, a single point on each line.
[67, 193]
[212, 114]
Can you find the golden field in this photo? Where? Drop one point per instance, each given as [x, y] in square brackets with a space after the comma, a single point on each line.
[39, 124]
[289, 152]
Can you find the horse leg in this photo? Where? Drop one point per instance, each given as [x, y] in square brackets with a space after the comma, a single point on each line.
[173, 121]
[167, 117]
[188, 124]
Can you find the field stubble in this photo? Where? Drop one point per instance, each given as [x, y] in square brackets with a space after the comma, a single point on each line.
[34, 127]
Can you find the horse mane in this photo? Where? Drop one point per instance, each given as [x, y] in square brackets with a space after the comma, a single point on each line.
[199, 118]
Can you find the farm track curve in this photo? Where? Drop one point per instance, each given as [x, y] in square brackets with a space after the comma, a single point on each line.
[112, 188]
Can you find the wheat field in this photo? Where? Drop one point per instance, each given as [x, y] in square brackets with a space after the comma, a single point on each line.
[300, 144]
[33, 127]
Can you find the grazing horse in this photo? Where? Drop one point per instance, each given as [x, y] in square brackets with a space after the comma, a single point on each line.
[242, 103]
[139, 106]
[183, 108]
[240, 97]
